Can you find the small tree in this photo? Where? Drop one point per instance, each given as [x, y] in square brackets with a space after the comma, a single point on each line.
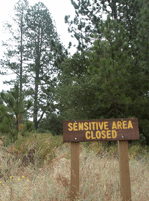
[6, 120]
[16, 107]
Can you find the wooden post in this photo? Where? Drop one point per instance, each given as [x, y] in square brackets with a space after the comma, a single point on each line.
[124, 171]
[74, 187]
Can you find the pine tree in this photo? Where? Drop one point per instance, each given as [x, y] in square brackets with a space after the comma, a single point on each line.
[89, 14]
[75, 94]
[14, 105]
[142, 49]
[14, 56]
[6, 120]
[109, 67]
[117, 48]
[44, 54]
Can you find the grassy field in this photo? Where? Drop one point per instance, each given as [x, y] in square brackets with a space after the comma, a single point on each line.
[37, 168]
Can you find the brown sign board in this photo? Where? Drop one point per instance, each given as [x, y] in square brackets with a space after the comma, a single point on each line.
[101, 130]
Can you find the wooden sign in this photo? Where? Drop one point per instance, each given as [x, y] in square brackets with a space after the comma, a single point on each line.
[101, 129]
[121, 130]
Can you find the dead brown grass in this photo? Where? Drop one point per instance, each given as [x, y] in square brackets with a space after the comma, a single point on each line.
[99, 177]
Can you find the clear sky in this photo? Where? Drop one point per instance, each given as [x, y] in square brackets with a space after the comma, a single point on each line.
[58, 10]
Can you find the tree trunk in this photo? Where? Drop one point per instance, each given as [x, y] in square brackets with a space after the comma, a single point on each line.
[36, 101]
[147, 140]
[21, 59]
[37, 71]
[21, 66]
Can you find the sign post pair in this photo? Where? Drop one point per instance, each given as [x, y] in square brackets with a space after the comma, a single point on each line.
[120, 130]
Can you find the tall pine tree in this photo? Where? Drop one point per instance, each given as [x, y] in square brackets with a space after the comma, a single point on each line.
[45, 52]
[14, 56]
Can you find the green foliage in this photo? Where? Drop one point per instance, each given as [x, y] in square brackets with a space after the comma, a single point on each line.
[5, 120]
[37, 54]
[15, 46]
[29, 126]
[10, 114]
[75, 95]
[115, 72]
[45, 53]
[109, 67]
[52, 123]
[43, 144]
[106, 78]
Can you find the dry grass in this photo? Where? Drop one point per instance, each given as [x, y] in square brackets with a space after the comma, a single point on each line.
[50, 181]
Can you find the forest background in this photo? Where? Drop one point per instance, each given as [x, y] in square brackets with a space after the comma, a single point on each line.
[107, 77]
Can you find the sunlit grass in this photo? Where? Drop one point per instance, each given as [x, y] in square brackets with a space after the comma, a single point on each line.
[50, 179]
